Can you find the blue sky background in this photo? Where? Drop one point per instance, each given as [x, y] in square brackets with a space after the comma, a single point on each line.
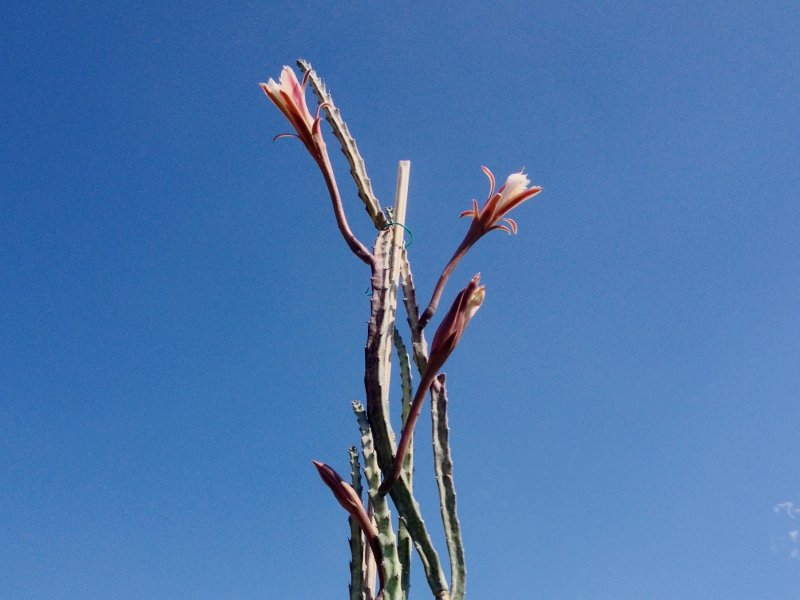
[182, 328]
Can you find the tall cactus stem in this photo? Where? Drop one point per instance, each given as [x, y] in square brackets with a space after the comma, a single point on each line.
[418, 344]
[385, 270]
[408, 509]
[357, 544]
[403, 536]
[378, 351]
[383, 518]
[358, 168]
[376, 356]
[443, 466]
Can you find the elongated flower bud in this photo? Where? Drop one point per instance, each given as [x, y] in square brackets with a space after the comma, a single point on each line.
[455, 322]
[445, 340]
[350, 501]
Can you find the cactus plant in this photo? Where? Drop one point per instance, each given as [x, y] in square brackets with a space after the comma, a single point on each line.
[388, 466]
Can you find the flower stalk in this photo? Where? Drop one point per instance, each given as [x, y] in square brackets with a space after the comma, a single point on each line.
[289, 96]
[490, 217]
[445, 340]
[350, 501]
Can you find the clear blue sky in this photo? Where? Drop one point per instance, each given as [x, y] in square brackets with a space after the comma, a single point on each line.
[182, 328]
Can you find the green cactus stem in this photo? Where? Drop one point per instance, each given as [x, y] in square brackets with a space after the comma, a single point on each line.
[443, 466]
[377, 355]
[408, 394]
[357, 544]
[371, 566]
[358, 168]
[418, 343]
[409, 511]
[403, 536]
[383, 518]
[408, 508]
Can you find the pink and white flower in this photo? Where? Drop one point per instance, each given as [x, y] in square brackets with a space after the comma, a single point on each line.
[490, 216]
[511, 194]
[452, 327]
[351, 502]
[289, 95]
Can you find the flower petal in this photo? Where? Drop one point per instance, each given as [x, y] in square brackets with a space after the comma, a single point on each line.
[490, 175]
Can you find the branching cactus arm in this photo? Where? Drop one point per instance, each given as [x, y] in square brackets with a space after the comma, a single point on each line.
[444, 342]
[441, 443]
[407, 390]
[358, 169]
[418, 344]
[409, 511]
[289, 96]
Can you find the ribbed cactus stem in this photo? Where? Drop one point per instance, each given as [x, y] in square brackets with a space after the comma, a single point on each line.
[396, 471]
[370, 564]
[404, 556]
[405, 383]
[383, 518]
[403, 536]
[358, 168]
[418, 343]
[357, 545]
[388, 260]
[442, 456]
[386, 272]
[377, 352]
[410, 512]
[443, 467]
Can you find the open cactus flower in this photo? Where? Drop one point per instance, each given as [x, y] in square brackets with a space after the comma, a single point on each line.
[492, 215]
[289, 95]
[489, 217]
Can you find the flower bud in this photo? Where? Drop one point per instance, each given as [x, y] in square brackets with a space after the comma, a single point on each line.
[350, 501]
[452, 327]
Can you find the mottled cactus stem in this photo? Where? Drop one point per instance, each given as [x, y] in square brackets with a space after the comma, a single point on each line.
[443, 467]
[357, 545]
[358, 169]
[408, 429]
[403, 535]
[383, 519]
[390, 259]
